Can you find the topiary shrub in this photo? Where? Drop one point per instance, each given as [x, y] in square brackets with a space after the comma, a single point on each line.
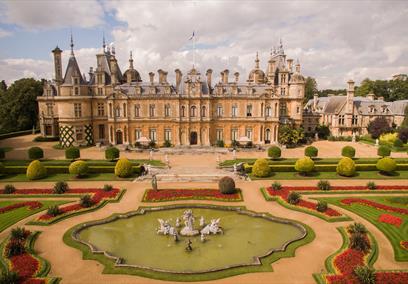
[346, 167]
[86, 201]
[2, 154]
[323, 185]
[304, 165]
[274, 152]
[14, 247]
[226, 185]
[123, 168]
[386, 165]
[53, 210]
[19, 234]
[276, 185]
[219, 143]
[36, 170]
[356, 228]
[359, 242]
[311, 151]
[167, 144]
[60, 187]
[9, 189]
[107, 187]
[294, 197]
[365, 274]
[72, 153]
[35, 153]
[79, 168]
[371, 185]
[384, 151]
[321, 206]
[261, 168]
[112, 153]
[348, 151]
[398, 143]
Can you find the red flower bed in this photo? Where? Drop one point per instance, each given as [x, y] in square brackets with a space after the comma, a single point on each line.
[25, 265]
[390, 219]
[284, 192]
[349, 201]
[30, 204]
[404, 244]
[391, 277]
[34, 281]
[341, 187]
[174, 194]
[98, 195]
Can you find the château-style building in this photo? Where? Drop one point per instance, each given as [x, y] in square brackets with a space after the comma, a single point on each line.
[346, 115]
[111, 107]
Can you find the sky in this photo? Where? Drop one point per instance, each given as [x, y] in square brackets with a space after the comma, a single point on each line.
[334, 41]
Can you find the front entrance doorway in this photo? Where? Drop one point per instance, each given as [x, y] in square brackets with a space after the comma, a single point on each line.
[193, 138]
[119, 137]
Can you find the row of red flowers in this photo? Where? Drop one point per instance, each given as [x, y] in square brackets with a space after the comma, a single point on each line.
[174, 194]
[349, 201]
[352, 188]
[390, 219]
[404, 244]
[284, 193]
[30, 204]
[98, 195]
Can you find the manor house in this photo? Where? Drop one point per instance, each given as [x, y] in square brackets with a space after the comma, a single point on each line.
[111, 107]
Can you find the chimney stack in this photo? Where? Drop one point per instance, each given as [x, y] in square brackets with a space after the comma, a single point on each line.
[236, 74]
[350, 85]
[225, 76]
[209, 75]
[162, 76]
[290, 64]
[151, 76]
[370, 96]
[178, 79]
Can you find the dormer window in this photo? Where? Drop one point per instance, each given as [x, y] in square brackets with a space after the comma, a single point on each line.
[76, 91]
[76, 81]
[384, 109]
[371, 109]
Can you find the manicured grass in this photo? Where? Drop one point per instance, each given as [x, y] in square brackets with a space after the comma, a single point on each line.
[332, 175]
[9, 218]
[63, 162]
[265, 266]
[394, 234]
[67, 177]
[392, 147]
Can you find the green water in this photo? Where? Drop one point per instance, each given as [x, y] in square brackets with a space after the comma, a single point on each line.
[135, 240]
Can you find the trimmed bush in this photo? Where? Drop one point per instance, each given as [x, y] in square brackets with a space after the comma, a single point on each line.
[35, 153]
[226, 185]
[323, 185]
[359, 242]
[167, 144]
[19, 233]
[371, 185]
[365, 274]
[311, 151]
[384, 151]
[36, 170]
[112, 153]
[2, 154]
[346, 167]
[294, 197]
[9, 189]
[398, 143]
[274, 152]
[348, 151]
[276, 185]
[261, 168]
[321, 206]
[123, 168]
[72, 153]
[79, 168]
[107, 187]
[60, 187]
[386, 165]
[356, 228]
[304, 165]
[53, 210]
[220, 143]
[86, 201]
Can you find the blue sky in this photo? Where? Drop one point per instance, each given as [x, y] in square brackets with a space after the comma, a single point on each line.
[334, 41]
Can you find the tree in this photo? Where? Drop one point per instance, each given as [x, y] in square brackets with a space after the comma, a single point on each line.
[3, 86]
[404, 123]
[290, 136]
[378, 126]
[365, 88]
[18, 105]
[310, 88]
[326, 92]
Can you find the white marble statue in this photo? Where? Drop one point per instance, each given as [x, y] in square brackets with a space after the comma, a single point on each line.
[177, 222]
[212, 228]
[166, 228]
[234, 154]
[202, 221]
[188, 229]
[202, 238]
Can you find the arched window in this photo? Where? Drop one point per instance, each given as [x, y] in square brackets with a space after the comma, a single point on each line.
[137, 110]
[117, 112]
[183, 111]
[167, 110]
[193, 111]
[203, 111]
[268, 111]
[151, 110]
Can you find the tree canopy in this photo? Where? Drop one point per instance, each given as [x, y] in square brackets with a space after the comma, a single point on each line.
[391, 90]
[18, 105]
[310, 88]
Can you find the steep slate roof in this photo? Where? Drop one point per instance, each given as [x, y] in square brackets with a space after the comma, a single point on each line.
[72, 70]
[398, 107]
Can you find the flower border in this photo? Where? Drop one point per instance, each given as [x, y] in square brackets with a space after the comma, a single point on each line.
[215, 195]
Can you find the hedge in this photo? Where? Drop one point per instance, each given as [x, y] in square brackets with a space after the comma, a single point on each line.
[18, 133]
[65, 169]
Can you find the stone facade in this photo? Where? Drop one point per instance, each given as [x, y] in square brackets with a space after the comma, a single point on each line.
[115, 108]
[348, 114]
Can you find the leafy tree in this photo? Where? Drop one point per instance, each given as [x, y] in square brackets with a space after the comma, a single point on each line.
[378, 126]
[3, 86]
[290, 136]
[323, 131]
[18, 105]
[365, 88]
[310, 88]
[326, 92]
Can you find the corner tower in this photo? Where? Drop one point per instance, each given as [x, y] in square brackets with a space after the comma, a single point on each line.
[57, 52]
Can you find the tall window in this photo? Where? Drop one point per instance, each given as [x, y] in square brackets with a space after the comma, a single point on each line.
[117, 112]
[283, 79]
[78, 110]
[203, 111]
[101, 109]
[153, 134]
[151, 110]
[100, 92]
[183, 111]
[249, 110]
[282, 91]
[282, 109]
[234, 111]
[124, 110]
[220, 135]
[268, 111]
[219, 110]
[76, 91]
[138, 133]
[100, 79]
[167, 110]
[234, 134]
[79, 133]
[354, 120]
[101, 131]
[167, 134]
[50, 111]
[248, 133]
[137, 110]
[110, 110]
[341, 119]
[297, 109]
[193, 111]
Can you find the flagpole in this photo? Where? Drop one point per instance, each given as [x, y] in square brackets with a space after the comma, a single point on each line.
[193, 51]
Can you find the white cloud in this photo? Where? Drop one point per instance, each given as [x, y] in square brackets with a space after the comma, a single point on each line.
[43, 14]
[4, 33]
[17, 68]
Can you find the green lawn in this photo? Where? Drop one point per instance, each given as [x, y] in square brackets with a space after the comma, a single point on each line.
[63, 162]
[67, 177]
[332, 175]
[394, 234]
[9, 218]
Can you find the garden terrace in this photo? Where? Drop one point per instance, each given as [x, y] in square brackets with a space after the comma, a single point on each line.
[163, 195]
